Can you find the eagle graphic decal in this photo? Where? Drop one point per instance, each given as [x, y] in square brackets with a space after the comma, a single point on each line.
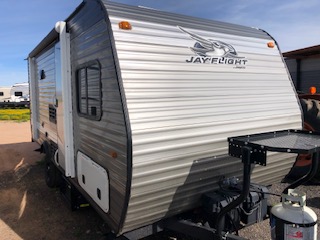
[213, 51]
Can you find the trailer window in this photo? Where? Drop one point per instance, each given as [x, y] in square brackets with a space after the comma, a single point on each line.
[1, 94]
[89, 91]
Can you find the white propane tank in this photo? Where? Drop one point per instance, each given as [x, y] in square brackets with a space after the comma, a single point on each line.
[292, 219]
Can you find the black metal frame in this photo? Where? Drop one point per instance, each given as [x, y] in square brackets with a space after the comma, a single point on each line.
[251, 141]
[252, 149]
[196, 231]
[246, 159]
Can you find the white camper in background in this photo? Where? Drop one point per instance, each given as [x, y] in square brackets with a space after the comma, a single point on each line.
[133, 107]
[5, 95]
[19, 92]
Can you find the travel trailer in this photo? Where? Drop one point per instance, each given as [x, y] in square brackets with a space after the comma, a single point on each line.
[133, 108]
[19, 92]
[15, 96]
[5, 94]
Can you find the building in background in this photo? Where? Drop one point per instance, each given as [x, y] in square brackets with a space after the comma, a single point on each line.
[304, 67]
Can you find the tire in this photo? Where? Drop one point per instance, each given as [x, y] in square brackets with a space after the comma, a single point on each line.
[112, 236]
[311, 114]
[52, 174]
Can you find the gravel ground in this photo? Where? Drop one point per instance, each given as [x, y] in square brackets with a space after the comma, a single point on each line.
[261, 231]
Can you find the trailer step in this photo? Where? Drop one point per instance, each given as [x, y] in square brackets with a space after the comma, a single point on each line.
[72, 196]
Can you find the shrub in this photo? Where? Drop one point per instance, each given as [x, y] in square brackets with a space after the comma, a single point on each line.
[25, 117]
[4, 117]
[15, 114]
[15, 117]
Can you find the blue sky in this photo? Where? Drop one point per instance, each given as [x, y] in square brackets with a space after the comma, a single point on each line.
[293, 23]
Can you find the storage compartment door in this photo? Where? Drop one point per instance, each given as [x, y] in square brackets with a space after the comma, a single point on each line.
[94, 180]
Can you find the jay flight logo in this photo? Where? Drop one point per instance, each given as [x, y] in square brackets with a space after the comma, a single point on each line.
[212, 51]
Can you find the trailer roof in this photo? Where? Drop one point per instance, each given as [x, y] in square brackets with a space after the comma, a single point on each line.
[168, 18]
[158, 16]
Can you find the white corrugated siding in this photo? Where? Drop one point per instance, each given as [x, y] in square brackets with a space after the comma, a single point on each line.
[182, 113]
[46, 92]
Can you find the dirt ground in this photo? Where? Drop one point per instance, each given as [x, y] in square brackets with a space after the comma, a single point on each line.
[30, 210]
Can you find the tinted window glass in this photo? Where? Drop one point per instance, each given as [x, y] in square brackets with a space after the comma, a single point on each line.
[89, 91]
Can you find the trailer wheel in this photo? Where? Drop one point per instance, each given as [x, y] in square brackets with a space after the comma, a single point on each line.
[311, 113]
[112, 236]
[52, 174]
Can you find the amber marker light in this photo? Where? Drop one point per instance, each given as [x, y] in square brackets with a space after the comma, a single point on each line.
[270, 44]
[313, 90]
[125, 25]
[114, 154]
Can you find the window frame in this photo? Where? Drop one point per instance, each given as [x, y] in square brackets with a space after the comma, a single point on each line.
[78, 87]
[18, 94]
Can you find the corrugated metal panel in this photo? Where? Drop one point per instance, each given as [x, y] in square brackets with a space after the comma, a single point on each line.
[163, 19]
[310, 73]
[182, 113]
[100, 139]
[292, 67]
[310, 64]
[45, 61]
[309, 79]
